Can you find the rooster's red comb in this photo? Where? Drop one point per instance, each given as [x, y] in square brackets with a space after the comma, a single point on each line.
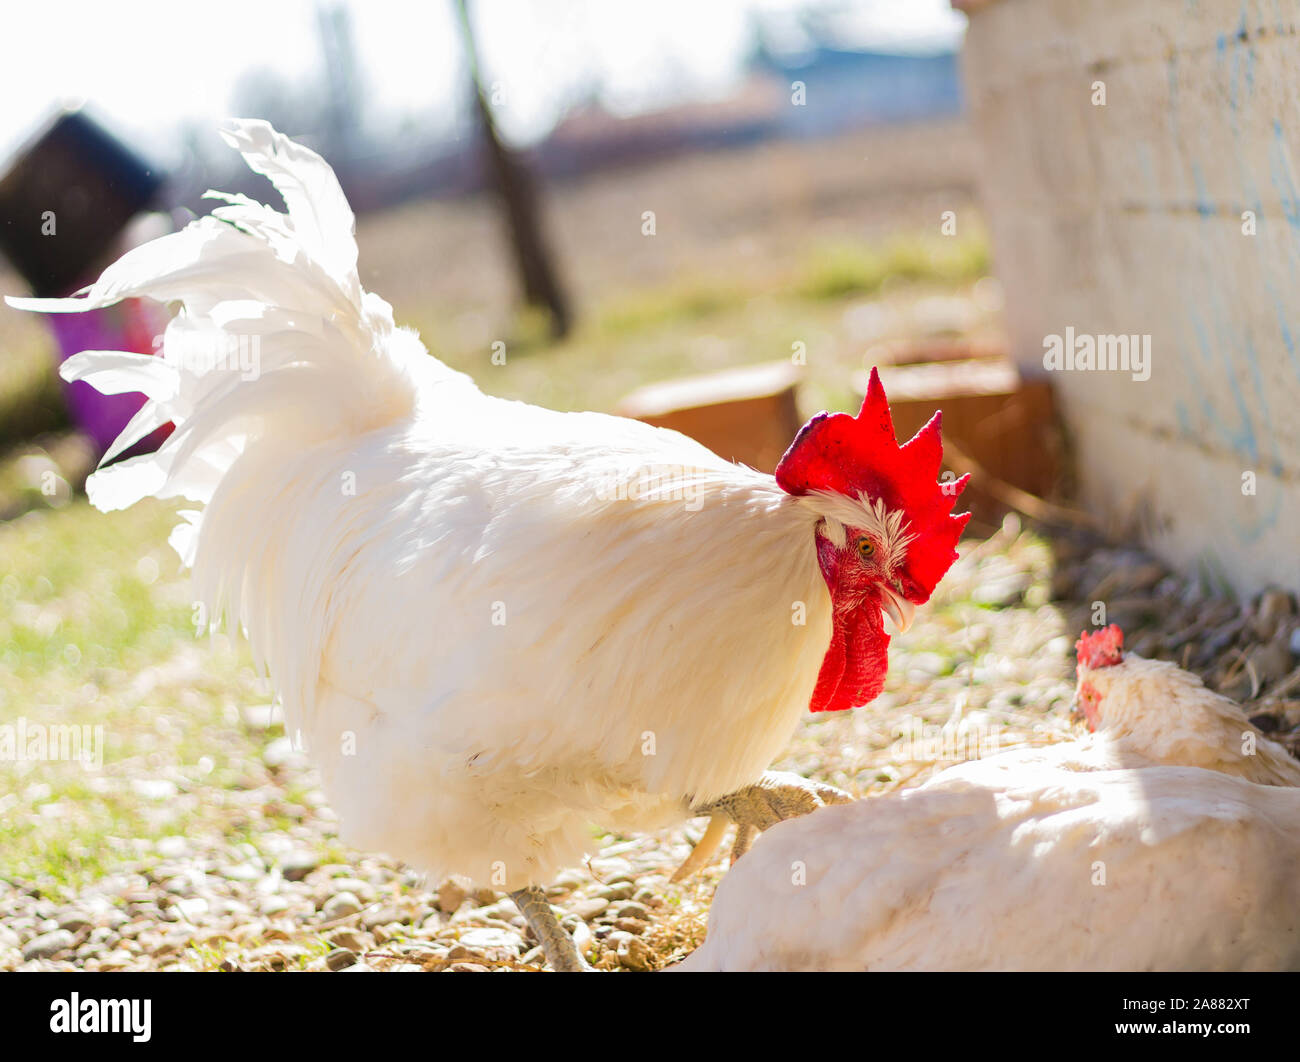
[1103, 648]
[857, 456]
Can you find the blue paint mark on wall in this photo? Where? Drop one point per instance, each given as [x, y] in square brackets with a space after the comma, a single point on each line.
[1204, 204]
[1257, 383]
[1283, 178]
[1243, 34]
[1283, 327]
[1244, 439]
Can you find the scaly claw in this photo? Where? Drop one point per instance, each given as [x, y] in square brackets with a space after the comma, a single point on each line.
[777, 796]
[704, 848]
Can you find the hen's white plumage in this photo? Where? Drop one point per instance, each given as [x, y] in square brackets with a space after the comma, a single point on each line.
[1097, 854]
[485, 651]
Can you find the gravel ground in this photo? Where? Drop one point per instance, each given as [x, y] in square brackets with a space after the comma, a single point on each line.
[988, 665]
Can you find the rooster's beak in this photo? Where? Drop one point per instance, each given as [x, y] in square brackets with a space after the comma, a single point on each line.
[897, 608]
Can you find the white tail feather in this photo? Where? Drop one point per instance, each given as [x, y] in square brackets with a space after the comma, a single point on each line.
[277, 357]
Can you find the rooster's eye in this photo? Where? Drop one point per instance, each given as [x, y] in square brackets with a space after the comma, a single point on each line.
[866, 548]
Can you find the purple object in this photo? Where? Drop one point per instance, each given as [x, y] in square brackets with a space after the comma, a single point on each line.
[65, 206]
[130, 325]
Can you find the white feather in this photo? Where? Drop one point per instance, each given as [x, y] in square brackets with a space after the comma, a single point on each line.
[1165, 841]
[487, 641]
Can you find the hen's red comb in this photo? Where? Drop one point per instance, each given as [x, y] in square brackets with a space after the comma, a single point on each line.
[1103, 648]
[860, 455]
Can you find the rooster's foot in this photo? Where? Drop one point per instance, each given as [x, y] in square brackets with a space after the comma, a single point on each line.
[777, 796]
[562, 954]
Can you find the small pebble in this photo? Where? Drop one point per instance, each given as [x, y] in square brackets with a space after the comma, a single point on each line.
[340, 905]
[382, 916]
[297, 865]
[74, 921]
[588, 909]
[47, 945]
[451, 896]
[349, 939]
[633, 954]
[174, 847]
[484, 939]
[273, 905]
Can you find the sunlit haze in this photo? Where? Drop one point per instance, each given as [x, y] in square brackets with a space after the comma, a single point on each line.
[148, 67]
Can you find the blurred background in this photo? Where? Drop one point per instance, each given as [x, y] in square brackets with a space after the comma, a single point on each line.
[641, 194]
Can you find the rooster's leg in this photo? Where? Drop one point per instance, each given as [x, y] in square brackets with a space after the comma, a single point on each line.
[777, 796]
[562, 954]
[744, 838]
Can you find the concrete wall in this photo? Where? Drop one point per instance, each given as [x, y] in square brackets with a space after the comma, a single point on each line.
[1126, 218]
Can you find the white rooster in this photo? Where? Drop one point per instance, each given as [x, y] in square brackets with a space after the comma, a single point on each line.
[496, 624]
[1168, 839]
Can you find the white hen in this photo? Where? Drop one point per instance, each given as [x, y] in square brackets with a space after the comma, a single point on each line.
[496, 624]
[1087, 855]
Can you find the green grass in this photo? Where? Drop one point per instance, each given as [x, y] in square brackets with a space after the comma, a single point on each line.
[681, 303]
[95, 624]
[856, 269]
[30, 398]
